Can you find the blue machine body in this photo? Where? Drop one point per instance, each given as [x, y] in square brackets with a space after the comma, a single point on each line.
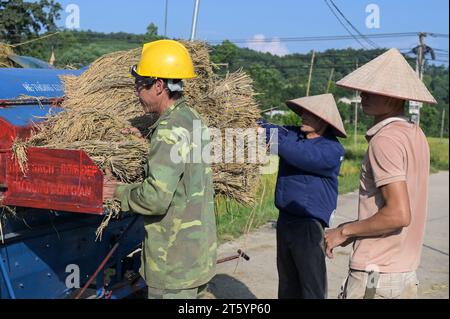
[49, 255]
[17, 83]
[46, 254]
[33, 82]
[23, 115]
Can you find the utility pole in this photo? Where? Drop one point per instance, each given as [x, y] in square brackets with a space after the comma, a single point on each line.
[356, 121]
[330, 78]
[310, 73]
[165, 19]
[442, 124]
[421, 55]
[356, 116]
[414, 107]
[194, 20]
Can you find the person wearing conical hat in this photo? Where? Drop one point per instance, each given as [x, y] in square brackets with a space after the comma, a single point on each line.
[388, 235]
[306, 193]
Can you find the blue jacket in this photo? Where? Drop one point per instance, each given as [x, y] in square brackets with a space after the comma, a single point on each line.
[307, 183]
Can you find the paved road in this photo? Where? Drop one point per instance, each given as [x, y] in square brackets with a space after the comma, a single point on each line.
[257, 278]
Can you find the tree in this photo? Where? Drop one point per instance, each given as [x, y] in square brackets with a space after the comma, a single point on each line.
[430, 120]
[152, 30]
[225, 53]
[20, 20]
[269, 84]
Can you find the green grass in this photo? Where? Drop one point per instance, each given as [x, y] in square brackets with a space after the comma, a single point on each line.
[350, 168]
[234, 219]
[349, 176]
[439, 154]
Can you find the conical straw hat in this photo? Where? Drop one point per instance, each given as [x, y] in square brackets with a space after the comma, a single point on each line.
[322, 106]
[389, 74]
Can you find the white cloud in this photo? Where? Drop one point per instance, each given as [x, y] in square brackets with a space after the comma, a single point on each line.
[275, 47]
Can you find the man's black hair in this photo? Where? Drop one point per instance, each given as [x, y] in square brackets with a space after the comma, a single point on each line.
[174, 95]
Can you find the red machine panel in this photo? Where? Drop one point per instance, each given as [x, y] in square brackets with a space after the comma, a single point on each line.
[63, 180]
[55, 179]
[8, 134]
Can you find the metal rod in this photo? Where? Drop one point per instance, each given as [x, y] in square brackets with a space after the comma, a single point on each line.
[105, 260]
[194, 20]
[49, 101]
[240, 254]
[222, 260]
[7, 280]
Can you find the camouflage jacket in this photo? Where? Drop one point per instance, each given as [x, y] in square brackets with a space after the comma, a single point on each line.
[176, 199]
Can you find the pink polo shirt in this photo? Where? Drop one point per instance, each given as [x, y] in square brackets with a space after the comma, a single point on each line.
[398, 151]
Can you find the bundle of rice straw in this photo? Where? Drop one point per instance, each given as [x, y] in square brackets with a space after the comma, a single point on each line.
[230, 104]
[99, 134]
[5, 51]
[101, 102]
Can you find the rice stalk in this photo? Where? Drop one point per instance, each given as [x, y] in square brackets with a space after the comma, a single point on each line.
[19, 154]
[6, 212]
[5, 51]
[112, 209]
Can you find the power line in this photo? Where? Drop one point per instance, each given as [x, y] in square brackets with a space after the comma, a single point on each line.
[322, 38]
[373, 44]
[345, 27]
[338, 54]
[437, 35]
[281, 39]
[303, 68]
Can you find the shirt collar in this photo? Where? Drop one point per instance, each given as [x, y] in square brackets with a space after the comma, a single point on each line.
[377, 127]
[167, 112]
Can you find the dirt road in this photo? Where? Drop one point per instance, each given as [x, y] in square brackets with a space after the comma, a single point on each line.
[258, 278]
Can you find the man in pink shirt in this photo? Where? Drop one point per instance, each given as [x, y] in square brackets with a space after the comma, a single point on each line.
[388, 235]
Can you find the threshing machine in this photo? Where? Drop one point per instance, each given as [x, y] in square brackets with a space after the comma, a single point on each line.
[48, 247]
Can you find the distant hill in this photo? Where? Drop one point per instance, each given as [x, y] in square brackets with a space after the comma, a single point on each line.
[276, 79]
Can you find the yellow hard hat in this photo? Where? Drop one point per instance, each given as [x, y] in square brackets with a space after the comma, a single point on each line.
[165, 59]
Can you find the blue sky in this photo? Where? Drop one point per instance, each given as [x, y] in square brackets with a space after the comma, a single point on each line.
[269, 19]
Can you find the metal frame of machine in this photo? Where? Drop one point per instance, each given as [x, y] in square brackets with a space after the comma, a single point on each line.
[51, 239]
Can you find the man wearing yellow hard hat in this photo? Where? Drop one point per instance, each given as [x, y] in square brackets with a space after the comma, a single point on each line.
[176, 197]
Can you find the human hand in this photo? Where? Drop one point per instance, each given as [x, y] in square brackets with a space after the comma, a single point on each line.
[133, 131]
[334, 238]
[260, 122]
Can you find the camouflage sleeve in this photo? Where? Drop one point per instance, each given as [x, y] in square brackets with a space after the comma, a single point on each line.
[154, 195]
